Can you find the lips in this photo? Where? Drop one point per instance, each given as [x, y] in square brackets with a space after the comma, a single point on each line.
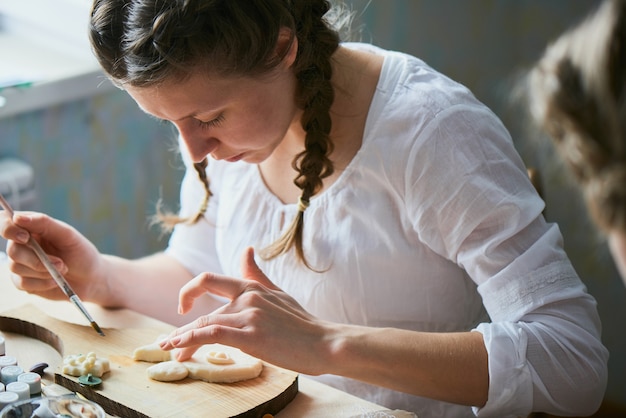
[235, 158]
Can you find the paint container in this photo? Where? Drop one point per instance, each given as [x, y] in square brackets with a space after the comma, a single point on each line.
[9, 374]
[63, 406]
[22, 389]
[6, 361]
[7, 398]
[33, 380]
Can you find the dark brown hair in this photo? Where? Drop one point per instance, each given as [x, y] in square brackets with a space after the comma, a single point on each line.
[577, 94]
[146, 42]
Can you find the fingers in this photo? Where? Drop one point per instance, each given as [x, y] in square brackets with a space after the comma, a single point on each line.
[24, 224]
[48, 232]
[251, 271]
[220, 326]
[19, 229]
[185, 353]
[213, 328]
[40, 224]
[46, 288]
[227, 287]
[24, 262]
[10, 231]
[29, 273]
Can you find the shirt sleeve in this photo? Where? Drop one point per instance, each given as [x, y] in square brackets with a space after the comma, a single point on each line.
[471, 202]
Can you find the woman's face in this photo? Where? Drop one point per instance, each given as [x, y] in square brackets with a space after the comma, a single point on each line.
[229, 119]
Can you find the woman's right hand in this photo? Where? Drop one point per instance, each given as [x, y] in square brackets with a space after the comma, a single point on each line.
[76, 258]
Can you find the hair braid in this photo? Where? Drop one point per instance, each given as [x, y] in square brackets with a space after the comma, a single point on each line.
[168, 220]
[578, 95]
[315, 95]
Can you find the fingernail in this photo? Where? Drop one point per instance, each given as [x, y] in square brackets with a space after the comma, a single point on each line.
[22, 237]
[175, 340]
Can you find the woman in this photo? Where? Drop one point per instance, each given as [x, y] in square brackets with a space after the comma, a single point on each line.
[576, 94]
[409, 222]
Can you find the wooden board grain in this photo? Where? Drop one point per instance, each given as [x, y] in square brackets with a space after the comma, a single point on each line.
[126, 390]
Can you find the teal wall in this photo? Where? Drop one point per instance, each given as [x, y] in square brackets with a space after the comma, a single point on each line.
[101, 163]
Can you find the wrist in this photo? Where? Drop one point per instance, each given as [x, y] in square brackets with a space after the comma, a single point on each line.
[100, 285]
[339, 353]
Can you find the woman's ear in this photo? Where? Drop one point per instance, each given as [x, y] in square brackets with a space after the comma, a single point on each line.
[287, 47]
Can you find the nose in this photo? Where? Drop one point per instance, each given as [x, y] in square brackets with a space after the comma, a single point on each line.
[198, 145]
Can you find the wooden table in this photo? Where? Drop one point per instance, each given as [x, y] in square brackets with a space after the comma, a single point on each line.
[313, 400]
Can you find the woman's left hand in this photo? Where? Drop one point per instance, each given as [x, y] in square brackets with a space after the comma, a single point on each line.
[260, 319]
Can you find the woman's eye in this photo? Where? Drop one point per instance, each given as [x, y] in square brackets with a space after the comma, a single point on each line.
[212, 123]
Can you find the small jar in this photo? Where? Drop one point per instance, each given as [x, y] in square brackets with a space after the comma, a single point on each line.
[9, 374]
[7, 361]
[7, 398]
[33, 380]
[22, 389]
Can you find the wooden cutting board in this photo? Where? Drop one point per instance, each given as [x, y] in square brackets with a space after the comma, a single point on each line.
[126, 391]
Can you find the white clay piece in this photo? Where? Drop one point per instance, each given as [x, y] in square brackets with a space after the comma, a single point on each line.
[214, 363]
[167, 371]
[84, 364]
[151, 353]
[241, 367]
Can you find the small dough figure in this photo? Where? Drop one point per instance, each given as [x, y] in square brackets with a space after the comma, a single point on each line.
[152, 353]
[81, 365]
[167, 371]
[218, 363]
[213, 363]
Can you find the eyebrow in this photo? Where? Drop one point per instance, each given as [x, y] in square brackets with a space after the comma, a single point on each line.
[191, 115]
[158, 119]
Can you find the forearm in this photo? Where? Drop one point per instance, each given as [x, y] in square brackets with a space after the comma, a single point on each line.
[149, 285]
[451, 367]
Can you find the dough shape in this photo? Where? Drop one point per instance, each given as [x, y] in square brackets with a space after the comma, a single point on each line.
[219, 357]
[152, 353]
[81, 365]
[243, 366]
[167, 371]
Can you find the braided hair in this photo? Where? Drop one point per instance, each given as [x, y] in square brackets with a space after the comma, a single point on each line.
[577, 94]
[146, 42]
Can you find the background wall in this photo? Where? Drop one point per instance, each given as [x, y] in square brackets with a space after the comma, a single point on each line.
[101, 164]
[486, 45]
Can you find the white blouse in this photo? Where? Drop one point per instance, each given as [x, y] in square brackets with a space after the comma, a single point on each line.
[433, 226]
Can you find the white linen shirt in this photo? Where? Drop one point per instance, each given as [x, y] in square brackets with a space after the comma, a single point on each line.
[432, 226]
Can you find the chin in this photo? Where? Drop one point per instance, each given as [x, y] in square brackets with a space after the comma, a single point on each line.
[254, 158]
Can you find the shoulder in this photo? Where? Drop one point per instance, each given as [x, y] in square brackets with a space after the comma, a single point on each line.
[411, 95]
[403, 73]
[413, 101]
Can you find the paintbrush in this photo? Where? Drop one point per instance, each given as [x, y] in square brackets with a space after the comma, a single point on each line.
[58, 277]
